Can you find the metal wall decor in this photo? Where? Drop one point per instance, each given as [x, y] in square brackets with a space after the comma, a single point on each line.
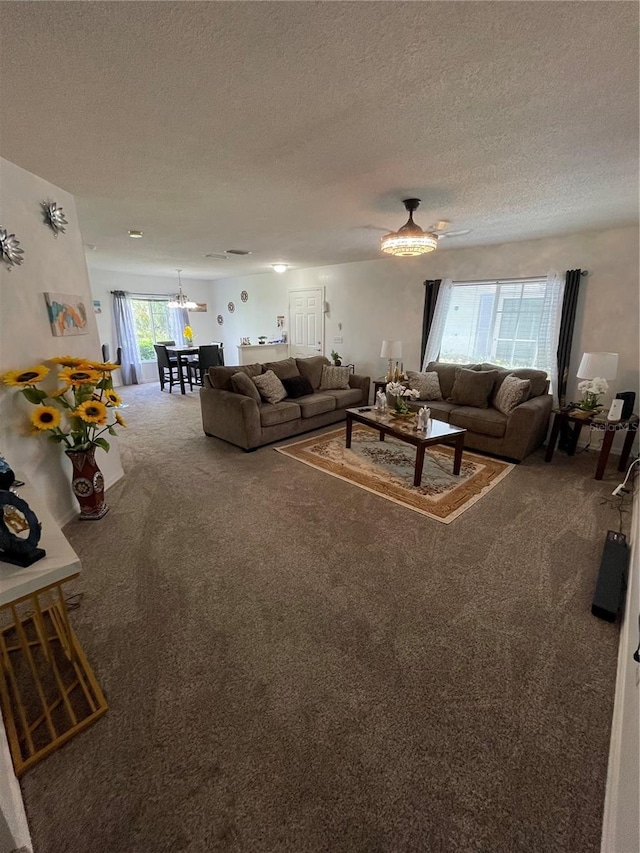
[231, 307]
[54, 217]
[244, 296]
[220, 319]
[10, 251]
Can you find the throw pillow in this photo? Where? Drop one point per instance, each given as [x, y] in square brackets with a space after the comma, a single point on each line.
[513, 391]
[426, 384]
[283, 369]
[270, 387]
[297, 386]
[334, 378]
[242, 384]
[473, 387]
[312, 368]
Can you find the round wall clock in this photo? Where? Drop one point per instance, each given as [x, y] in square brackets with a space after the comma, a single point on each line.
[244, 296]
[231, 307]
[220, 319]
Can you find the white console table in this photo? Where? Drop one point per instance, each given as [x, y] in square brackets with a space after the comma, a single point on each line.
[251, 353]
[48, 691]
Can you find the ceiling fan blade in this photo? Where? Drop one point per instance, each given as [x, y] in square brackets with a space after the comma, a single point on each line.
[456, 233]
[376, 228]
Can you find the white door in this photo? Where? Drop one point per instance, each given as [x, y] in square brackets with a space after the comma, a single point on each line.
[306, 323]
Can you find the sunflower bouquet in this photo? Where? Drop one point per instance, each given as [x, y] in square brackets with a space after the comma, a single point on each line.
[76, 414]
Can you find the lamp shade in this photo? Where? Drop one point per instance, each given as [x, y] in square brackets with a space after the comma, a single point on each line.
[598, 364]
[391, 349]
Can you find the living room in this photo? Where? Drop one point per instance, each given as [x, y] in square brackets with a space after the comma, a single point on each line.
[269, 679]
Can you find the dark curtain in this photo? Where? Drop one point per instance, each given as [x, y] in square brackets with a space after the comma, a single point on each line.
[431, 290]
[567, 321]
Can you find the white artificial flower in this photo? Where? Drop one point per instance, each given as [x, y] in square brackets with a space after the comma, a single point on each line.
[411, 392]
[599, 386]
[396, 389]
[584, 386]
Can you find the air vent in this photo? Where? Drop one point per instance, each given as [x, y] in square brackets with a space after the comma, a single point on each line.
[216, 256]
[237, 252]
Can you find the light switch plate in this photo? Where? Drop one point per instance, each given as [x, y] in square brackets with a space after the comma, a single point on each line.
[338, 340]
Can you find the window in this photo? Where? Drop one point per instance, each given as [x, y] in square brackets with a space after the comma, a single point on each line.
[509, 323]
[152, 322]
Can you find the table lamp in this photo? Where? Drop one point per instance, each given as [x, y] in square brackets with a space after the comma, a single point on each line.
[601, 365]
[391, 350]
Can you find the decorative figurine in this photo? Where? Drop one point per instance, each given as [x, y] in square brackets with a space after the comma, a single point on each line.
[16, 516]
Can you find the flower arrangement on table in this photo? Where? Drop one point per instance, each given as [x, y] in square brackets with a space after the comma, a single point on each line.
[188, 335]
[591, 390]
[401, 394]
[84, 396]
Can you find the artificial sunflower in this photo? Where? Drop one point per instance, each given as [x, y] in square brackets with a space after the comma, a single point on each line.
[92, 412]
[121, 420]
[68, 361]
[26, 377]
[60, 391]
[81, 375]
[45, 417]
[112, 397]
[103, 366]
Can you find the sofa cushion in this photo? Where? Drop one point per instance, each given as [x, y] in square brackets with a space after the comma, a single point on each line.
[483, 421]
[312, 369]
[334, 378]
[538, 378]
[446, 374]
[243, 384]
[427, 384]
[220, 377]
[283, 369]
[512, 392]
[472, 387]
[345, 397]
[272, 414]
[297, 386]
[270, 388]
[316, 404]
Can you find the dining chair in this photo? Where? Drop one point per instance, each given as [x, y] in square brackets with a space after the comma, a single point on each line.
[167, 368]
[208, 356]
[220, 346]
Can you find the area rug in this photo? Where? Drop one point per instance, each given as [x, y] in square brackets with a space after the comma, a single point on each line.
[387, 469]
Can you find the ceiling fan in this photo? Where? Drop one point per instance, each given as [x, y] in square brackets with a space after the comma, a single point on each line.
[411, 239]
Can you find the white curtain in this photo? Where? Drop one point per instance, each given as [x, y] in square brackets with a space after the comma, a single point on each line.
[178, 319]
[553, 299]
[124, 325]
[434, 341]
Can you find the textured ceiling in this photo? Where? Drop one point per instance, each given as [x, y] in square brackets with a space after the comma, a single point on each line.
[287, 128]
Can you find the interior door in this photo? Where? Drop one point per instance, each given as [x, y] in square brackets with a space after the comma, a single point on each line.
[306, 323]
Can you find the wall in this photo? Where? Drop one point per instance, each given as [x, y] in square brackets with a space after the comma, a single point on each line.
[204, 324]
[50, 264]
[621, 824]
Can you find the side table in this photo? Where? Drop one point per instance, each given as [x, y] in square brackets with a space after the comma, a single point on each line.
[565, 420]
[48, 691]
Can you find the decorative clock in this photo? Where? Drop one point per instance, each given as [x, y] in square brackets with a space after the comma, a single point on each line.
[231, 307]
[10, 251]
[54, 217]
[244, 296]
[220, 319]
[16, 518]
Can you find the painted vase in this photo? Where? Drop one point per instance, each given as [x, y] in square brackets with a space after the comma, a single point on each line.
[88, 484]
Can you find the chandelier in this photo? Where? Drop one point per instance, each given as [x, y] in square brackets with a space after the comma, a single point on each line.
[410, 239]
[181, 300]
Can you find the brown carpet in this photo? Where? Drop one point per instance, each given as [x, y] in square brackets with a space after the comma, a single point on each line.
[293, 664]
[387, 469]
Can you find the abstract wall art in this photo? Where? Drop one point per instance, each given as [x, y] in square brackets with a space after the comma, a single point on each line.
[67, 314]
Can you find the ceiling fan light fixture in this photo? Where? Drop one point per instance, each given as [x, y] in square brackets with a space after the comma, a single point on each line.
[136, 235]
[181, 300]
[280, 267]
[410, 240]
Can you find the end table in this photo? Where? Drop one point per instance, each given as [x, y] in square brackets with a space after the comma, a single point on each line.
[564, 420]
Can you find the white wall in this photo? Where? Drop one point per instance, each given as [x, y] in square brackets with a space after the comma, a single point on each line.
[204, 324]
[50, 264]
[621, 826]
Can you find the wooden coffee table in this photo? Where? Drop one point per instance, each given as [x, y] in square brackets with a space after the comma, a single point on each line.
[439, 432]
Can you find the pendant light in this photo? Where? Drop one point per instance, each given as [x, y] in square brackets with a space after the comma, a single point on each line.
[410, 239]
[181, 300]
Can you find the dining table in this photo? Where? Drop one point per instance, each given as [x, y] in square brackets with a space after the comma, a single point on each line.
[182, 353]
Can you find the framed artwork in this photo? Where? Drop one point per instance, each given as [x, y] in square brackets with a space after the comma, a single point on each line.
[200, 306]
[280, 321]
[67, 314]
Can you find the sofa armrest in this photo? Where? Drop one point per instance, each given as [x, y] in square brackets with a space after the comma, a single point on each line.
[230, 416]
[362, 383]
[527, 426]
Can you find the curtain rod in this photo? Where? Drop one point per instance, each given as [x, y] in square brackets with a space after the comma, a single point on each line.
[145, 295]
[506, 280]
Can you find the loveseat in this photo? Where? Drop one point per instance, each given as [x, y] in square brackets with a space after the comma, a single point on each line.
[512, 435]
[241, 417]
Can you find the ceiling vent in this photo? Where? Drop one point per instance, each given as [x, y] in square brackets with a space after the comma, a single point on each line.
[237, 252]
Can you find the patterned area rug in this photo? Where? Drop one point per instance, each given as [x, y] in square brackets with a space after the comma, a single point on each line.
[387, 468]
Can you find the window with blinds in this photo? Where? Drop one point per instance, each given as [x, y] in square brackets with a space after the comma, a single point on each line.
[508, 323]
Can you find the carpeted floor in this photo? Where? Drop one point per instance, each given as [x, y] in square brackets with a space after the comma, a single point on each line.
[295, 664]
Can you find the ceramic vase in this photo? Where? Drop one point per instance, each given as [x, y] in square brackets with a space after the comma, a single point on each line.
[88, 484]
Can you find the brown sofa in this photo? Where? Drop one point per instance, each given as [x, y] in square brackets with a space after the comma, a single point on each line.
[513, 436]
[249, 424]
